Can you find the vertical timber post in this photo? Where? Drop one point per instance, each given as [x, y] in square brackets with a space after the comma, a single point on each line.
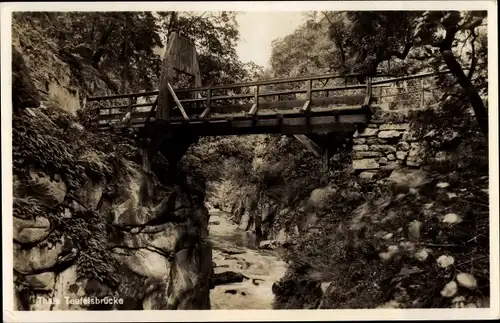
[255, 106]
[422, 93]
[180, 57]
[129, 110]
[309, 90]
[324, 161]
[369, 89]
[209, 104]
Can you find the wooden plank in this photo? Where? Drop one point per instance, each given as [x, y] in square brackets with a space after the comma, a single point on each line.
[288, 126]
[276, 93]
[179, 105]
[354, 116]
[121, 96]
[276, 81]
[306, 107]
[273, 81]
[336, 110]
[409, 77]
[119, 116]
[136, 105]
[290, 104]
[253, 109]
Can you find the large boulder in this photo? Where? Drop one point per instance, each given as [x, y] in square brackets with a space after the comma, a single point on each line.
[408, 177]
[228, 277]
[143, 262]
[363, 164]
[321, 196]
[44, 282]
[245, 221]
[37, 258]
[50, 190]
[28, 231]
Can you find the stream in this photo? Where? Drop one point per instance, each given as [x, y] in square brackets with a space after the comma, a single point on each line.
[237, 251]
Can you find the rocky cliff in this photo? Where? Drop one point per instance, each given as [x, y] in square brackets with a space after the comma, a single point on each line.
[390, 225]
[88, 220]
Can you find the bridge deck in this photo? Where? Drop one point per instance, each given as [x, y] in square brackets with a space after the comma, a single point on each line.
[235, 109]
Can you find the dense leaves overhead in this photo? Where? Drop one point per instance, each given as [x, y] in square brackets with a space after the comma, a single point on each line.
[215, 35]
[395, 42]
[126, 46]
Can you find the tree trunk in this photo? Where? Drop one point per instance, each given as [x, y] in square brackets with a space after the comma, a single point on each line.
[470, 90]
[125, 72]
[100, 50]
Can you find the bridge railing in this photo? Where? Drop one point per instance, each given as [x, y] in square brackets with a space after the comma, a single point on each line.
[247, 98]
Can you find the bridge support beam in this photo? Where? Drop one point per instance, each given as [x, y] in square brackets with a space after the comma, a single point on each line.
[325, 160]
[325, 145]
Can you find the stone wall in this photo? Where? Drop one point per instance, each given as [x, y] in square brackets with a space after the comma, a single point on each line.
[387, 142]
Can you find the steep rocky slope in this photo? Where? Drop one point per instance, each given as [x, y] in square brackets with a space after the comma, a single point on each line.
[88, 219]
[409, 231]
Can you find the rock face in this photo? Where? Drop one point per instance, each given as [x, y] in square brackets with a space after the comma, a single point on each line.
[156, 236]
[28, 231]
[24, 92]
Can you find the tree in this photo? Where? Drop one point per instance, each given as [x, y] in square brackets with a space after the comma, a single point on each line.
[306, 51]
[215, 35]
[364, 39]
[119, 44]
[440, 29]
[123, 46]
[416, 40]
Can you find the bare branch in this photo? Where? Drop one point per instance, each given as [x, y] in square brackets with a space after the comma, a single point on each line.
[473, 55]
[401, 55]
[477, 21]
[326, 16]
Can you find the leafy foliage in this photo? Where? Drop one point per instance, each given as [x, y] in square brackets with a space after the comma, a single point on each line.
[53, 143]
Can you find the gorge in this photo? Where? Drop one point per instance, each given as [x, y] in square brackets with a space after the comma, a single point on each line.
[243, 222]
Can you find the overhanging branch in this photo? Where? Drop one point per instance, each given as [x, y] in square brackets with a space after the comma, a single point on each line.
[474, 98]
[473, 55]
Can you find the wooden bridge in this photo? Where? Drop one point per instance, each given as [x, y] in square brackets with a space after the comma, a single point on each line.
[254, 111]
[309, 107]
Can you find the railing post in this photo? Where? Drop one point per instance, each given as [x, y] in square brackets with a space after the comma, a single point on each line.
[379, 95]
[307, 105]
[324, 162]
[209, 98]
[129, 111]
[422, 94]
[255, 105]
[309, 89]
[209, 103]
[368, 96]
[256, 97]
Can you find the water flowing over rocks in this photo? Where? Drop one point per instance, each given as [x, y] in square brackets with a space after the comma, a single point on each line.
[243, 274]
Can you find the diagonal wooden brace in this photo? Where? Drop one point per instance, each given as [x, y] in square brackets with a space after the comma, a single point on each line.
[177, 102]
